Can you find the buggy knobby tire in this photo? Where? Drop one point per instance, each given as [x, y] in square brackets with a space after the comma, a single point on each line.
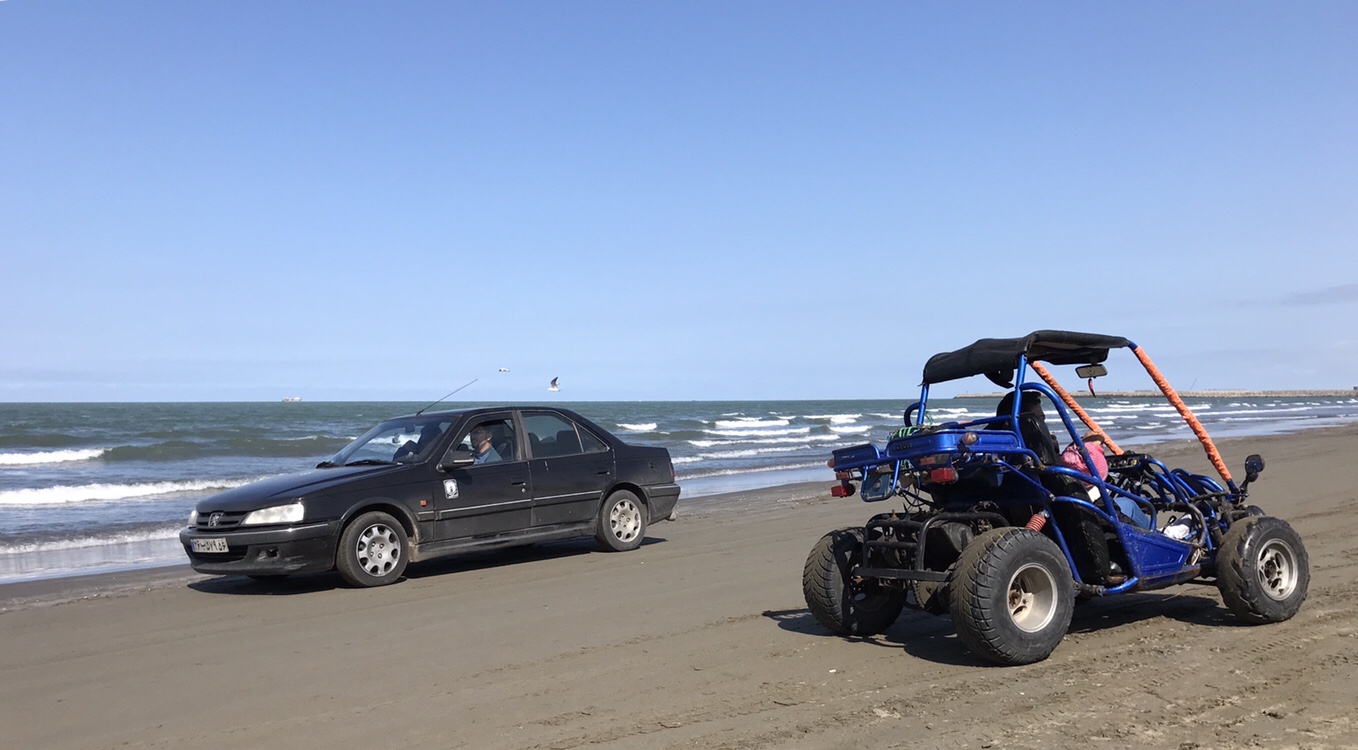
[621, 522]
[373, 550]
[1263, 570]
[1012, 596]
[835, 600]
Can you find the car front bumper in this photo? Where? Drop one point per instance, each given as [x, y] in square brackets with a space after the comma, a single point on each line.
[274, 551]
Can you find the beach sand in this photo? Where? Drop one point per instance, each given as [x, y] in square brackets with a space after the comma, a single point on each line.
[699, 639]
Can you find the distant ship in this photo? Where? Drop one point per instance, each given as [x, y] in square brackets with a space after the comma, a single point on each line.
[291, 399]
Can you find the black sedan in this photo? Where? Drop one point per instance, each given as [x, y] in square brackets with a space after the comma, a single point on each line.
[432, 484]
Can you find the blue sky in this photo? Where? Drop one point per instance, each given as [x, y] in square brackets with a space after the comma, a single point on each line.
[705, 200]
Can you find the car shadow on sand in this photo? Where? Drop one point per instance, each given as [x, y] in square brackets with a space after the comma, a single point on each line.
[932, 637]
[307, 583]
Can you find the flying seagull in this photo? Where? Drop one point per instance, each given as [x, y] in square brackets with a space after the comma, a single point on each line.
[553, 386]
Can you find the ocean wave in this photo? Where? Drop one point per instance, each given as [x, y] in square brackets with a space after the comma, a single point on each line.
[89, 540]
[642, 427]
[49, 457]
[85, 493]
[759, 433]
[759, 470]
[851, 429]
[749, 453]
[762, 441]
[835, 418]
[746, 422]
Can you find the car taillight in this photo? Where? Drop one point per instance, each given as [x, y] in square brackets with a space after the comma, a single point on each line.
[842, 490]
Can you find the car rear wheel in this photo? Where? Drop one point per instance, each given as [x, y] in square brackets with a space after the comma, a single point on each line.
[372, 550]
[1263, 570]
[1012, 596]
[843, 606]
[622, 522]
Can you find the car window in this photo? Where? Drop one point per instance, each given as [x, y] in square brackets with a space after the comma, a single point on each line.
[551, 435]
[489, 441]
[399, 441]
[591, 442]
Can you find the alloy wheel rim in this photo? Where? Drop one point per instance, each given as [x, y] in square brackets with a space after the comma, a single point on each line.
[625, 520]
[378, 550]
[1277, 569]
[1032, 598]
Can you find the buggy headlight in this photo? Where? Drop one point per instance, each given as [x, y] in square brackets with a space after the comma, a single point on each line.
[291, 513]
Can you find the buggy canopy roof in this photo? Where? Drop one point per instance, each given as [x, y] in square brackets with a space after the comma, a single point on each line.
[997, 358]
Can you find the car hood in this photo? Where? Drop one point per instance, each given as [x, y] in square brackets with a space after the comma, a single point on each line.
[274, 490]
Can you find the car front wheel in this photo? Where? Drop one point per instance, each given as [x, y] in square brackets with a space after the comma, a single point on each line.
[372, 550]
[622, 522]
[1263, 570]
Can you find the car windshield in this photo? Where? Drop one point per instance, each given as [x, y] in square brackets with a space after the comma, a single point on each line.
[396, 441]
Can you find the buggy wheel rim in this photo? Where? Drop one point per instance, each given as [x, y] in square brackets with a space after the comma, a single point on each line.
[625, 520]
[377, 550]
[1277, 569]
[1032, 598]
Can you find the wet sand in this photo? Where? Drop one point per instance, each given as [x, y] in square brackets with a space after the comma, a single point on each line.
[698, 639]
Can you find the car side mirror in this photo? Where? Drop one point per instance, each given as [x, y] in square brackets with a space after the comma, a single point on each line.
[1091, 371]
[456, 458]
[1254, 464]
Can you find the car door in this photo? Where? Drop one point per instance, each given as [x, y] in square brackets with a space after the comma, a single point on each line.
[485, 498]
[570, 466]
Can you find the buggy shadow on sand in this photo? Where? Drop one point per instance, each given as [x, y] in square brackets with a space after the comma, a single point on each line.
[1002, 534]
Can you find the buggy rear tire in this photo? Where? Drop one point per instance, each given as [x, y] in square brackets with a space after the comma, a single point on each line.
[835, 600]
[1012, 596]
[1263, 570]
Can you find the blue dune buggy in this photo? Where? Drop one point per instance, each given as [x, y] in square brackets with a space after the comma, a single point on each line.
[1004, 532]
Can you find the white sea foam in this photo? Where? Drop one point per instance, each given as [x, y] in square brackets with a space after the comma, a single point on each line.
[759, 470]
[759, 433]
[82, 542]
[752, 452]
[49, 457]
[84, 493]
[642, 427]
[835, 418]
[851, 429]
[761, 441]
[746, 422]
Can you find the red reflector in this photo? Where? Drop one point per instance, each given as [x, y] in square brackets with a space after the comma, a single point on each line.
[841, 475]
[945, 474]
[842, 490]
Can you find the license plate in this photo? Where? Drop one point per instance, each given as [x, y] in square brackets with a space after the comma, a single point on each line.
[208, 545]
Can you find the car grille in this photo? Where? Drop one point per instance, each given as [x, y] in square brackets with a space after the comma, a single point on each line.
[219, 520]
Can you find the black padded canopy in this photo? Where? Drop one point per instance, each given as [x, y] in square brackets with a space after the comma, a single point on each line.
[997, 358]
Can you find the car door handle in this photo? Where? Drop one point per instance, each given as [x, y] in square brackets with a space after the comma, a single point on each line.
[522, 485]
[603, 472]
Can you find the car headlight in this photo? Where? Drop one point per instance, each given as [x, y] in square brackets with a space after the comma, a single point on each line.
[193, 517]
[291, 513]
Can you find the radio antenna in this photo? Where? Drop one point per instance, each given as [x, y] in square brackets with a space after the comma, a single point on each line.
[445, 398]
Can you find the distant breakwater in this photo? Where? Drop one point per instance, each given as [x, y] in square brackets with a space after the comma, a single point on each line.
[1351, 393]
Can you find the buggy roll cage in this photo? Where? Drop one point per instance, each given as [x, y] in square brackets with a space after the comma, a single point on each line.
[998, 358]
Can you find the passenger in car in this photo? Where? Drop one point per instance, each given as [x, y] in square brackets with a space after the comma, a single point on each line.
[482, 449]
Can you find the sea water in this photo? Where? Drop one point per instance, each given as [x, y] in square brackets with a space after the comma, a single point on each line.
[103, 486]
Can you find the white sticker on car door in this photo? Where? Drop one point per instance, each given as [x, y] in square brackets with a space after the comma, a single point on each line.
[450, 488]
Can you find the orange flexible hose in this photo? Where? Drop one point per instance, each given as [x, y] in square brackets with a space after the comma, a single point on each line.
[1186, 413]
[1075, 407]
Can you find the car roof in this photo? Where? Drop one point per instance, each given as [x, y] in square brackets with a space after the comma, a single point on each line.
[997, 358]
[472, 411]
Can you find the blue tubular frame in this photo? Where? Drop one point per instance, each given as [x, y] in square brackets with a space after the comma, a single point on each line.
[1171, 488]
